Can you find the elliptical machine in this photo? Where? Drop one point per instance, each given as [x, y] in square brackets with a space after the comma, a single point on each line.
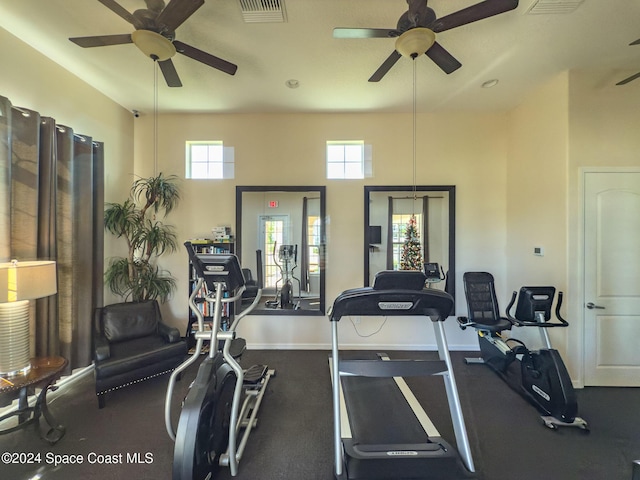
[221, 407]
[288, 255]
[542, 377]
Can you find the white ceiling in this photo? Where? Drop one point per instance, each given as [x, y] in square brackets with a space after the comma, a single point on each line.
[520, 49]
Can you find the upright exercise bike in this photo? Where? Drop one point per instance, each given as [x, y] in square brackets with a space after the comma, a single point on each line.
[221, 407]
[542, 377]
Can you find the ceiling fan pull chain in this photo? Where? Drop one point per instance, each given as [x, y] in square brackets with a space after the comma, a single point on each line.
[415, 90]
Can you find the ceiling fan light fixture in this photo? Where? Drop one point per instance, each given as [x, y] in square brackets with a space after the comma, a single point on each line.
[415, 41]
[153, 45]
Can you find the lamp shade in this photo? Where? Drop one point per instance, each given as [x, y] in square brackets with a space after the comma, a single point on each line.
[27, 280]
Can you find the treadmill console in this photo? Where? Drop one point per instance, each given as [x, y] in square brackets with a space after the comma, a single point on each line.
[399, 280]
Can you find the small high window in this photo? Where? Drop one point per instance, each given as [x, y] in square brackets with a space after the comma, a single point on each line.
[345, 160]
[209, 160]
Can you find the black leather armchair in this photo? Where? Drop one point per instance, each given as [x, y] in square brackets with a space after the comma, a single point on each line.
[132, 344]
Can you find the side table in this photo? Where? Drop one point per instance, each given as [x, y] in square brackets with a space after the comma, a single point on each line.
[44, 371]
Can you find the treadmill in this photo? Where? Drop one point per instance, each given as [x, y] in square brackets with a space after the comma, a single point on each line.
[380, 429]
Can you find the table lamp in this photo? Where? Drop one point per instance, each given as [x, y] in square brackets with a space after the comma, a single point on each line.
[19, 283]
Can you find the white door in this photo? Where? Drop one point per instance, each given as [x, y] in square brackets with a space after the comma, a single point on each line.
[612, 278]
[273, 230]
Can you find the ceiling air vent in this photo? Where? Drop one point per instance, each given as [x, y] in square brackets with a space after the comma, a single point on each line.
[263, 11]
[554, 6]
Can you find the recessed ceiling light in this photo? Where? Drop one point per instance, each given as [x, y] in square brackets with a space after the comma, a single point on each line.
[292, 83]
[490, 83]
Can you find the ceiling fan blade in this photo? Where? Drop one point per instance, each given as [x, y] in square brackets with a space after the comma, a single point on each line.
[385, 67]
[102, 40]
[170, 74]
[637, 42]
[629, 79]
[118, 9]
[206, 58]
[176, 13]
[341, 32]
[476, 12]
[443, 58]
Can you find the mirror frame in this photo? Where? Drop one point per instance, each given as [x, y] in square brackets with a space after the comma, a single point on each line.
[451, 189]
[321, 190]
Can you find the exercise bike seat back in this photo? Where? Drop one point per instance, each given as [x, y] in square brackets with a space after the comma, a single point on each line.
[482, 304]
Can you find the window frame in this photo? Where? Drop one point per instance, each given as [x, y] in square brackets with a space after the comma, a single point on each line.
[211, 166]
[345, 162]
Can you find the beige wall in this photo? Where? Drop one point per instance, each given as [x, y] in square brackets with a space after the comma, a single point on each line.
[577, 120]
[604, 122]
[467, 150]
[517, 176]
[537, 198]
[32, 81]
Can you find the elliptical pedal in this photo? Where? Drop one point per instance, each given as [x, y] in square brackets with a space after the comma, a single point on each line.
[238, 347]
[254, 374]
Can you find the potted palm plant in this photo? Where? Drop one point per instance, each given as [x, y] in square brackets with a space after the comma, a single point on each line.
[138, 277]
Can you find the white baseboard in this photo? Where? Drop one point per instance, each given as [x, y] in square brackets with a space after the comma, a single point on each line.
[355, 346]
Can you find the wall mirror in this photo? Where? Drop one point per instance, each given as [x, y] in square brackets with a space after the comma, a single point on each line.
[387, 210]
[287, 224]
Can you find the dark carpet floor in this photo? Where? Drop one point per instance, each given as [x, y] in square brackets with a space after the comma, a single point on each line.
[127, 439]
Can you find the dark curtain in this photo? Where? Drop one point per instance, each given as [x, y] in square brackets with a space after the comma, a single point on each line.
[304, 254]
[51, 190]
[390, 235]
[46, 323]
[5, 179]
[425, 228]
[98, 223]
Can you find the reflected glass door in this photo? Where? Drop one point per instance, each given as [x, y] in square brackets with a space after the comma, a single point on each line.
[272, 230]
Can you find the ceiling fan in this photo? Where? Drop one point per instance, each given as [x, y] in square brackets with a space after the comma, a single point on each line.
[154, 35]
[632, 77]
[416, 32]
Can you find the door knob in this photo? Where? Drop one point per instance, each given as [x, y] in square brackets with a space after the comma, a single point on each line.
[592, 305]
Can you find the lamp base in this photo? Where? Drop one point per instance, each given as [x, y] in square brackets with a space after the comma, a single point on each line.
[15, 353]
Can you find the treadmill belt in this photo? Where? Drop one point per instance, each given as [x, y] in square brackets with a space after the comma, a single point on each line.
[379, 412]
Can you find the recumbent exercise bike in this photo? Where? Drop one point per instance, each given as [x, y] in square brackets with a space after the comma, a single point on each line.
[221, 407]
[542, 378]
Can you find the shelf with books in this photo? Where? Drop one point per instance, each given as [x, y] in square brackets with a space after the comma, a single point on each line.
[206, 246]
